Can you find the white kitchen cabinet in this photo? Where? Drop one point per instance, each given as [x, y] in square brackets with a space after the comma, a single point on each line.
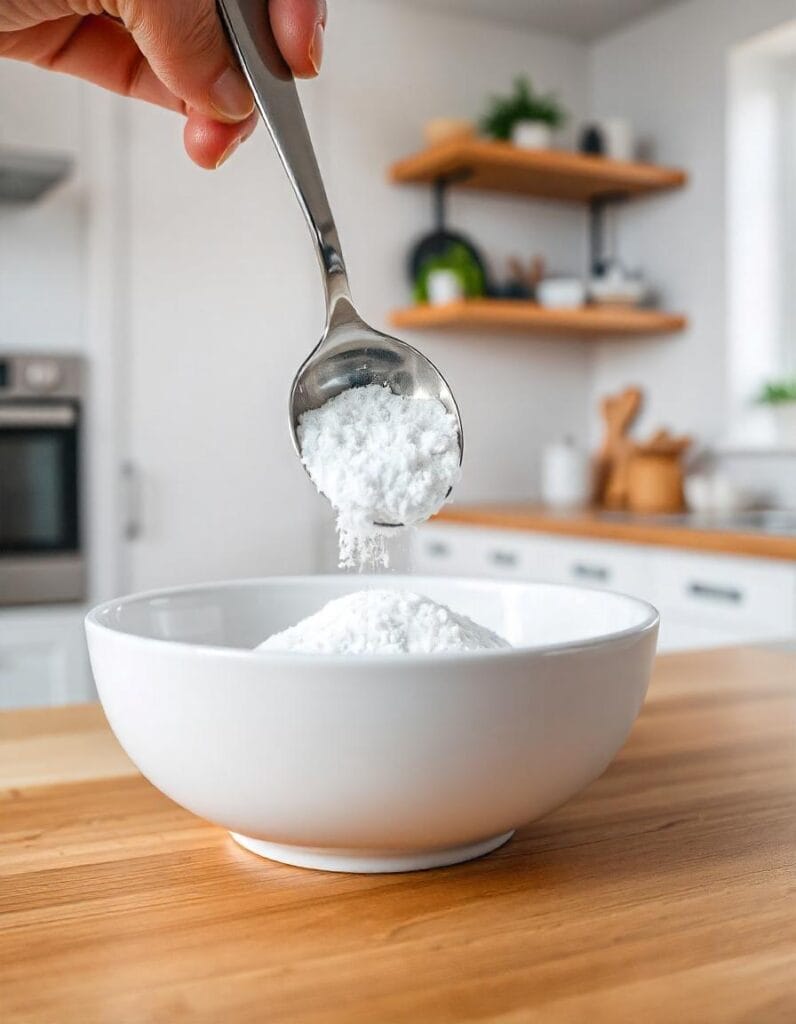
[43, 658]
[704, 600]
[471, 551]
[727, 591]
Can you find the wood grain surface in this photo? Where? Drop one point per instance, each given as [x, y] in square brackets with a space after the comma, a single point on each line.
[664, 893]
[543, 173]
[593, 524]
[586, 322]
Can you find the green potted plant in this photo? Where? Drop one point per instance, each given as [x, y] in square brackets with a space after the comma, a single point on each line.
[525, 117]
[450, 275]
[780, 396]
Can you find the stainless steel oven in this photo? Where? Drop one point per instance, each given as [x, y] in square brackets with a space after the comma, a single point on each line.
[41, 555]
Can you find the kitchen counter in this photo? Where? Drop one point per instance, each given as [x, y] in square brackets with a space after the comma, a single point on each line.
[663, 893]
[744, 534]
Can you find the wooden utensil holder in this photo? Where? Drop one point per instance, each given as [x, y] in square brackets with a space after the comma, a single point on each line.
[655, 482]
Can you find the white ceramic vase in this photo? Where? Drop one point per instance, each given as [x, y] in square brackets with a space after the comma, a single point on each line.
[532, 135]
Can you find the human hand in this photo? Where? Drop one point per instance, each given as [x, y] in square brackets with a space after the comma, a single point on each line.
[169, 52]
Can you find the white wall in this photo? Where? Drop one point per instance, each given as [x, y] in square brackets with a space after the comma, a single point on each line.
[225, 299]
[668, 73]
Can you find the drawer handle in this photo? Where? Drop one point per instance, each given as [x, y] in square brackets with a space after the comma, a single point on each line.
[728, 595]
[437, 549]
[507, 559]
[591, 572]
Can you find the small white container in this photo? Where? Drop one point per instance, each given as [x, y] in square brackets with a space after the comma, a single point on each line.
[532, 135]
[561, 293]
[444, 286]
[714, 493]
[784, 416]
[616, 288]
[617, 135]
[566, 475]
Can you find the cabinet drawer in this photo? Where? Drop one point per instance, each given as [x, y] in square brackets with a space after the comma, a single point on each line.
[600, 564]
[43, 658]
[510, 554]
[683, 634]
[444, 551]
[463, 551]
[736, 592]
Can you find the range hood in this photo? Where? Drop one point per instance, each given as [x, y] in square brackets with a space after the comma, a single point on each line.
[26, 175]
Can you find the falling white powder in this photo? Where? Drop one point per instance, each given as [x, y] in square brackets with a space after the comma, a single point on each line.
[384, 622]
[379, 458]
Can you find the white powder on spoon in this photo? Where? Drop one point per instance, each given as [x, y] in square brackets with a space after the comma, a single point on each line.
[379, 458]
[384, 622]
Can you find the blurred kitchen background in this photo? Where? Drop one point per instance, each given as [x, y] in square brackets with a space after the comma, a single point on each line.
[615, 310]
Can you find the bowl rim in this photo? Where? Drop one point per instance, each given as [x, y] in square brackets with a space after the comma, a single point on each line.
[649, 623]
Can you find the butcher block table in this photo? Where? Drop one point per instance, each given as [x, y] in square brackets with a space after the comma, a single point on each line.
[664, 893]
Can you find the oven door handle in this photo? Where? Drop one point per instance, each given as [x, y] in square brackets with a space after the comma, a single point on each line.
[38, 415]
[133, 502]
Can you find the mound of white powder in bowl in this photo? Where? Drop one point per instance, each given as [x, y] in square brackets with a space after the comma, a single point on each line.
[379, 458]
[384, 622]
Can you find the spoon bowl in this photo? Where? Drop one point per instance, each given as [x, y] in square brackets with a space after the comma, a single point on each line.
[352, 354]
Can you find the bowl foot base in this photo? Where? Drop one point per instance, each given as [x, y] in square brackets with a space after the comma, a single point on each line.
[375, 862]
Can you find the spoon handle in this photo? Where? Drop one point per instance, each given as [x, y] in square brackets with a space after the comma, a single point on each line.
[271, 81]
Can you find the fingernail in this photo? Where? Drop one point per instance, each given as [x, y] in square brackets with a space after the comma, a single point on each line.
[316, 47]
[228, 152]
[244, 135]
[230, 95]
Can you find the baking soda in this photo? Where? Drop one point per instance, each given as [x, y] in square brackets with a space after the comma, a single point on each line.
[384, 622]
[379, 458]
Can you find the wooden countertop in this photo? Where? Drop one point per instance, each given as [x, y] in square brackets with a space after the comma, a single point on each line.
[663, 893]
[597, 526]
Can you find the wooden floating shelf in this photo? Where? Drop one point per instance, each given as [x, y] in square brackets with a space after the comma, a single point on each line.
[510, 315]
[548, 174]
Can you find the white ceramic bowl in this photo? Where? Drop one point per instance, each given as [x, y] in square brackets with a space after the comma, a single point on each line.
[378, 762]
[561, 293]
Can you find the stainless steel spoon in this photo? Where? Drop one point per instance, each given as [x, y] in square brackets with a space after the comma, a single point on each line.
[350, 353]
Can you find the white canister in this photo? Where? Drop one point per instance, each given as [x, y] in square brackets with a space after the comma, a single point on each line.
[566, 475]
[532, 135]
[443, 286]
[617, 135]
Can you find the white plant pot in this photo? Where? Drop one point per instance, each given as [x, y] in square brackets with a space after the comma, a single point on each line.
[784, 417]
[443, 286]
[532, 135]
